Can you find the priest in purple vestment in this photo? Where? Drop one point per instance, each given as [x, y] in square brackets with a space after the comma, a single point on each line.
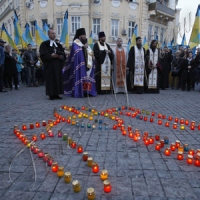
[76, 79]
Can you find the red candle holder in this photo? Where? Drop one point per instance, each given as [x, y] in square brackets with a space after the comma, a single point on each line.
[73, 144]
[32, 147]
[129, 128]
[175, 126]
[122, 127]
[54, 167]
[79, 149]
[57, 121]
[50, 161]
[133, 115]
[31, 126]
[121, 112]
[128, 114]
[151, 140]
[17, 133]
[163, 117]
[158, 147]
[85, 156]
[146, 133]
[189, 159]
[68, 121]
[167, 124]
[37, 124]
[192, 127]
[83, 107]
[49, 121]
[153, 114]
[144, 137]
[180, 156]
[24, 128]
[34, 138]
[124, 132]
[130, 134]
[40, 154]
[199, 126]
[44, 123]
[182, 121]
[192, 123]
[123, 107]
[191, 152]
[197, 162]
[51, 134]
[145, 118]
[115, 127]
[173, 147]
[167, 152]
[159, 116]
[151, 119]
[95, 168]
[170, 118]
[60, 133]
[162, 143]
[35, 150]
[42, 135]
[146, 142]
[177, 144]
[159, 122]
[141, 117]
[46, 157]
[186, 122]
[176, 119]
[157, 137]
[107, 186]
[135, 137]
[54, 123]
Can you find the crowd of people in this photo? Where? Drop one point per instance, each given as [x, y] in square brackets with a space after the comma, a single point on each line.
[85, 71]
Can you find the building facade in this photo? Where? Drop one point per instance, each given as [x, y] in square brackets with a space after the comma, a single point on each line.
[117, 18]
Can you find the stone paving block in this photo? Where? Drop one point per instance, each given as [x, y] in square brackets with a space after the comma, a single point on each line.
[139, 187]
[17, 195]
[42, 196]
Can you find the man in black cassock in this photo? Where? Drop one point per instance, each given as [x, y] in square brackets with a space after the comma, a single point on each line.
[136, 65]
[104, 57]
[53, 56]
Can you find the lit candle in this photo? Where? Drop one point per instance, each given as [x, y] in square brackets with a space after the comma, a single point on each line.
[76, 186]
[176, 119]
[85, 156]
[173, 147]
[124, 132]
[73, 122]
[151, 119]
[46, 157]
[167, 124]
[35, 150]
[197, 162]
[192, 123]
[191, 152]
[95, 167]
[90, 118]
[31, 126]
[180, 149]
[192, 127]
[163, 116]
[54, 123]
[182, 121]
[40, 153]
[159, 122]
[167, 152]
[114, 127]
[24, 127]
[151, 140]
[162, 143]
[54, 167]
[67, 177]
[145, 119]
[34, 138]
[60, 171]
[104, 175]
[177, 143]
[107, 186]
[159, 116]
[170, 118]
[199, 126]
[68, 121]
[141, 117]
[90, 194]
[37, 124]
[130, 134]
[146, 133]
[42, 135]
[157, 137]
[157, 147]
[190, 159]
[186, 122]
[73, 144]
[129, 128]
[50, 161]
[135, 137]
[79, 149]
[175, 126]
[50, 132]
[180, 156]
[89, 161]
[59, 133]
[153, 114]
[122, 127]
[166, 140]
[146, 142]
[182, 127]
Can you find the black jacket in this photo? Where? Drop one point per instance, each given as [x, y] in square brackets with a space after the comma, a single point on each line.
[30, 56]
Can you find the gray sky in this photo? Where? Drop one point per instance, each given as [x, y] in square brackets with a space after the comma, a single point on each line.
[187, 7]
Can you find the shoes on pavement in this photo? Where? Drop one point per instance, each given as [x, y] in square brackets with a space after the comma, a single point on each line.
[57, 97]
[51, 97]
[3, 91]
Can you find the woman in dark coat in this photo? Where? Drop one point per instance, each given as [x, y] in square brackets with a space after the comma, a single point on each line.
[10, 68]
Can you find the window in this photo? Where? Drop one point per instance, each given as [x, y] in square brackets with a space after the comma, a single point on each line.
[75, 24]
[114, 28]
[131, 26]
[32, 28]
[59, 25]
[162, 35]
[17, 3]
[155, 32]
[43, 22]
[149, 32]
[96, 26]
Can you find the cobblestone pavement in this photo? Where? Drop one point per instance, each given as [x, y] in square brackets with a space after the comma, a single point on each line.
[135, 171]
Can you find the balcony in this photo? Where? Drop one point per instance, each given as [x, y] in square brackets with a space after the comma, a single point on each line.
[161, 13]
[6, 12]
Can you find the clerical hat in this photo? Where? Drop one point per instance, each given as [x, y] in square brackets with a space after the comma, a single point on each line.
[138, 38]
[79, 32]
[102, 34]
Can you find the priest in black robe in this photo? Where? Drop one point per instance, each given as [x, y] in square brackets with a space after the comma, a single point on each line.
[136, 65]
[102, 51]
[53, 56]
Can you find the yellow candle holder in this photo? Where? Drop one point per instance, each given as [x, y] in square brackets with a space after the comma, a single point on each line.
[90, 118]
[76, 186]
[90, 194]
[96, 113]
[51, 124]
[60, 171]
[69, 140]
[113, 117]
[90, 162]
[70, 109]
[69, 117]
[182, 127]
[86, 116]
[73, 122]
[67, 177]
[80, 115]
[74, 116]
[106, 114]
[104, 175]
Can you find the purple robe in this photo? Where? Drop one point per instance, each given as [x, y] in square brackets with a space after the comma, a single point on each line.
[75, 80]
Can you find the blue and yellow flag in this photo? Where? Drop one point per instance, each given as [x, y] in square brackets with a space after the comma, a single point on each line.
[5, 36]
[90, 41]
[45, 28]
[195, 35]
[145, 44]
[183, 43]
[65, 33]
[18, 37]
[135, 34]
[27, 34]
[128, 45]
[39, 35]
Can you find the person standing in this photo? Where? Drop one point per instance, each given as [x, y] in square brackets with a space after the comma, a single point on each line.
[153, 68]
[136, 65]
[52, 55]
[104, 57]
[2, 59]
[30, 58]
[119, 67]
[76, 81]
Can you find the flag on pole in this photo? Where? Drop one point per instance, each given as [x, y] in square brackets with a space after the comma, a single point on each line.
[172, 42]
[65, 33]
[27, 34]
[195, 35]
[145, 44]
[128, 45]
[135, 34]
[5, 36]
[183, 43]
[90, 40]
[45, 28]
[39, 35]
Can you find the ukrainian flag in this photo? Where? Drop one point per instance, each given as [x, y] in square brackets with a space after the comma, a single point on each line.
[183, 43]
[128, 45]
[27, 34]
[5, 36]
[145, 44]
[195, 36]
[135, 34]
[65, 33]
[39, 35]
[18, 37]
[90, 41]
[45, 28]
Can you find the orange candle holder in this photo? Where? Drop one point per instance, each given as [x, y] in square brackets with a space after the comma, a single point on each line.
[173, 147]
[181, 149]
[180, 156]
[135, 137]
[158, 147]
[189, 159]
[79, 149]
[130, 134]
[95, 168]
[191, 152]
[42, 135]
[54, 167]
[159, 122]
[175, 126]
[37, 124]
[167, 152]
[167, 124]
[107, 186]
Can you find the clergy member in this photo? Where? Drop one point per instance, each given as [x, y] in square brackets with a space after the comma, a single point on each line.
[76, 82]
[52, 55]
[136, 65]
[104, 57]
[119, 67]
[153, 68]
